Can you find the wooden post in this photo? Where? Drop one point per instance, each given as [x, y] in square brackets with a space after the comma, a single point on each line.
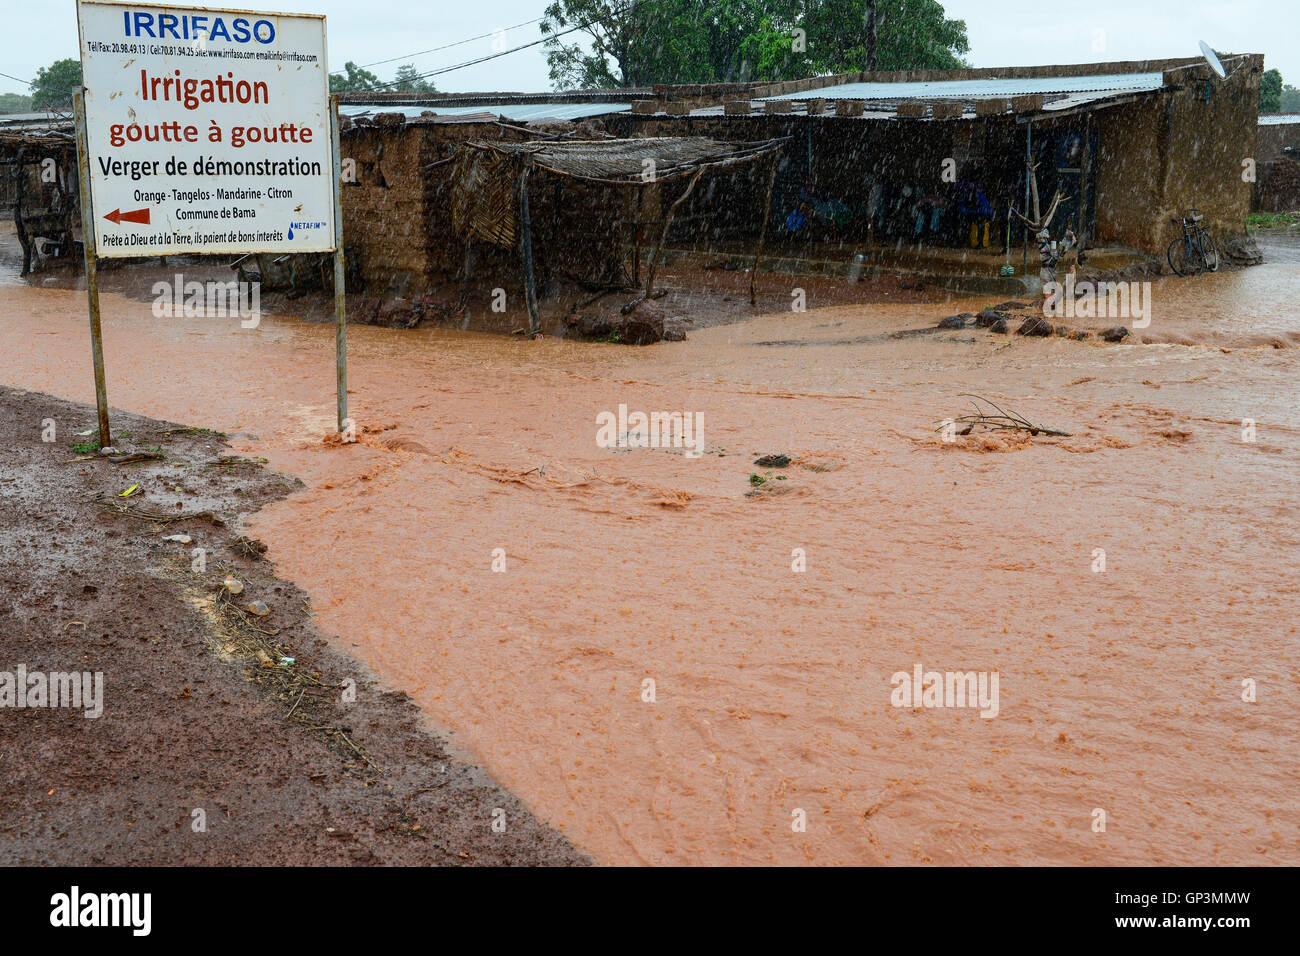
[92, 269]
[636, 238]
[526, 247]
[20, 193]
[1029, 175]
[663, 235]
[1085, 164]
[465, 274]
[762, 232]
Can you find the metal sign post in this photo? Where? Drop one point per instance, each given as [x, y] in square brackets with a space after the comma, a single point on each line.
[92, 270]
[340, 317]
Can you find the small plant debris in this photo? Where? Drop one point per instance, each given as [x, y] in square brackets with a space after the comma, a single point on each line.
[999, 420]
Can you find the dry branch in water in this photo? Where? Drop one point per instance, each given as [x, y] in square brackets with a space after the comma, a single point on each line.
[999, 420]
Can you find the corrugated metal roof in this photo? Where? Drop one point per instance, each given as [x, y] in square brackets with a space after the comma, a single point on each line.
[978, 89]
[883, 109]
[517, 112]
[1082, 99]
[1279, 119]
[33, 119]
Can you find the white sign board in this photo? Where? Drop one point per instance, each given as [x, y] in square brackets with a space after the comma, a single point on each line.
[208, 130]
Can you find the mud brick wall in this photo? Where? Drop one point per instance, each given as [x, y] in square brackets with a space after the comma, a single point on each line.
[1278, 186]
[386, 210]
[1277, 137]
[1128, 173]
[1208, 140]
[1156, 156]
[397, 216]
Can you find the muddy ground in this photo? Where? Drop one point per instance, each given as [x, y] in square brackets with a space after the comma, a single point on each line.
[202, 708]
[697, 291]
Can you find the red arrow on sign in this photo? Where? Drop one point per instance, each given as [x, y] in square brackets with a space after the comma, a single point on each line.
[138, 215]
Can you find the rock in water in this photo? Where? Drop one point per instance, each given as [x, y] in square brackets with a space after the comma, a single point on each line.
[1116, 334]
[773, 461]
[957, 321]
[1035, 326]
[1000, 326]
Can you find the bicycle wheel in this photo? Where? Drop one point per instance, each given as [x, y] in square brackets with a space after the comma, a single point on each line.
[1210, 251]
[1183, 258]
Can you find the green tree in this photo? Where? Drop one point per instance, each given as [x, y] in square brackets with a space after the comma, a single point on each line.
[55, 84]
[408, 80]
[1290, 99]
[354, 79]
[15, 103]
[1270, 91]
[910, 35]
[623, 43]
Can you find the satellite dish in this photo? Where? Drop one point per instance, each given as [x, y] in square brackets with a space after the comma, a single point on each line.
[1212, 58]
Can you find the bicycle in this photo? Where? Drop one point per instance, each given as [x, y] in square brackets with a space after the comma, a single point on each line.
[1194, 251]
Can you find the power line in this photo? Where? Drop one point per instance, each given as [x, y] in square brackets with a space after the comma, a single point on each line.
[448, 46]
[525, 46]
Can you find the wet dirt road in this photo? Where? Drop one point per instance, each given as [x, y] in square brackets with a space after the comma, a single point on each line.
[1119, 691]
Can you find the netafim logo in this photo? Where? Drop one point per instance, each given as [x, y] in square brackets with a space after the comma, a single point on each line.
[1100, 300]
[208, 300]
[81, 690]
[949, 689]
[102, 909]
[654, 430]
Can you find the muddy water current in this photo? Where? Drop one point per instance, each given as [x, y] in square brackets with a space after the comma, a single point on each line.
[771, 618]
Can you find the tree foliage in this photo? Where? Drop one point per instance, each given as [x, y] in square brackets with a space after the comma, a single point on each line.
[643, 42]
[1270, 91]
[15, 103]
[55, 84]
[408, 80]
[354, 79]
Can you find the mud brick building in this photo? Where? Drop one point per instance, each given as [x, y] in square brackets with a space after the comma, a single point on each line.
[873, 161]
[874, 158]
[397, 207]
[1130, 144]
[1277, 185]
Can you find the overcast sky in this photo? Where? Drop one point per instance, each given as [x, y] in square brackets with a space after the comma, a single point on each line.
[1002, 33]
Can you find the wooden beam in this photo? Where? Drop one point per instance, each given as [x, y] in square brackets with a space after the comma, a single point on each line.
[762, 232]
[526, 248]
[663, 235]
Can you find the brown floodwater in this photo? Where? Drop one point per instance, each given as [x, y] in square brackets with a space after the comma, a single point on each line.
[1119, 691]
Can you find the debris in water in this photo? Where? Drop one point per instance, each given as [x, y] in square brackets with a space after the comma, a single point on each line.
[773, 461]
[999, 420]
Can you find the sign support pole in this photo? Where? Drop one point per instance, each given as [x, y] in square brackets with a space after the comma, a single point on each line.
[340, 317]
[92, 269]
